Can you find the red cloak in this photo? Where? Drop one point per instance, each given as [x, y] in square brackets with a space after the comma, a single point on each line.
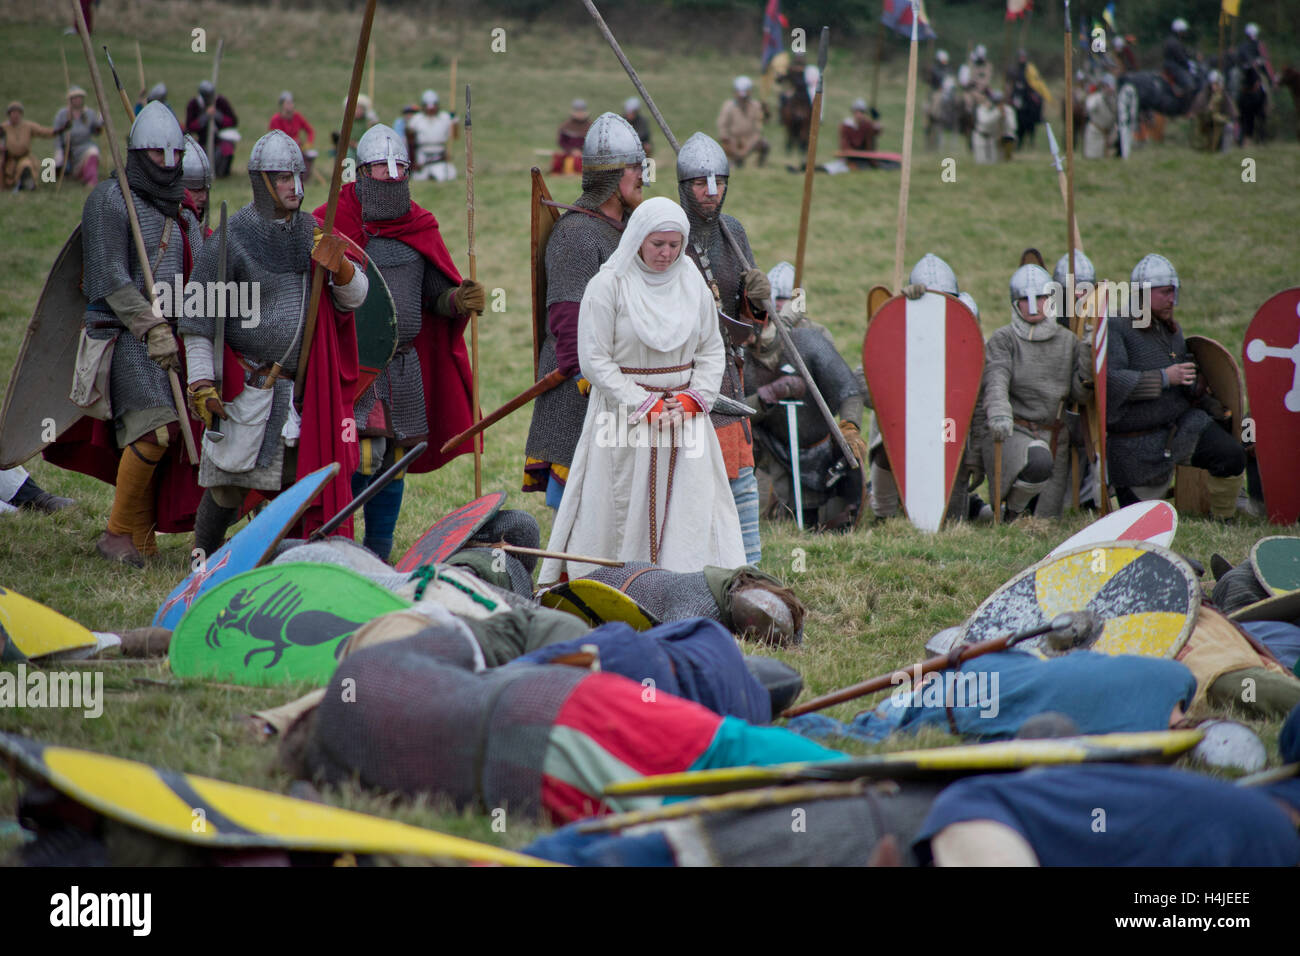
[444, 360]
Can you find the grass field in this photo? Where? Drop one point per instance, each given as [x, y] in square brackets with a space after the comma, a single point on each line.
[874, 596]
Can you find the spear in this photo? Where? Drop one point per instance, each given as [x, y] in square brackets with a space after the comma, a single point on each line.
[1060, 176]
[905, 183]
[455, 127]
[1066, 630]
[110, 131]
[473, 277]
[543, 553]
[810, 165]
[1076, 323]
[139, 64]
[121, 91]
[336, 184]
[786, 342]
[212, 120]
[67, 137]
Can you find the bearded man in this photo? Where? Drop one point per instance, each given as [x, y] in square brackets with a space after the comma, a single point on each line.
[583, 238]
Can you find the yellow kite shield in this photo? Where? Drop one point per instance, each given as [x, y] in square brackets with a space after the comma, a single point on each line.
[203, 812]
[1146, 597]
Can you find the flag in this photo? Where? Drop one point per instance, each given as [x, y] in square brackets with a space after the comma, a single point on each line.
[1018, 8]
[774, 24]
[897, 15]
[1232, 7]
[1109, 16]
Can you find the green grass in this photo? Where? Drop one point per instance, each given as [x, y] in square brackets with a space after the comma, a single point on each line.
[874, 596]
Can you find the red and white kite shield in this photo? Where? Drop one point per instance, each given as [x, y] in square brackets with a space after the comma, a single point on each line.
[1272, 367]
[923, 359]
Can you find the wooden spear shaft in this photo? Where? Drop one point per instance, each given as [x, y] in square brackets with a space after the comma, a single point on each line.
[110, 132]
[1070, 303]
[900, 240]
[139, 65]
[543, 553]
[336, 184]
[473, 277]
[67, 137]
[810, 163]
[212, 120]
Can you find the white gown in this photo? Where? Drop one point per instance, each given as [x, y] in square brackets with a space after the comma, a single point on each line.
[605, 511]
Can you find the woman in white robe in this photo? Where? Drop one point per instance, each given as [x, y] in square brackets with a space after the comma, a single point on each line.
[648, 482]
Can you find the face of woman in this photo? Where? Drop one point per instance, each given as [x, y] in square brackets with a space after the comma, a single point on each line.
[661, 249]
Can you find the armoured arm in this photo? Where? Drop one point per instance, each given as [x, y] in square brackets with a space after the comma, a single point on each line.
[596, 321]
[106, 240]
[1081, 380]
[1124, 384]
[998, 365]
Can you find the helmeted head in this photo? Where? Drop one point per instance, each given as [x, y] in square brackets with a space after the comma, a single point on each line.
[1118, 42]
[979, 54]
[1155, 272]
[702, 171]
[759, 613]
[156, 128]
[383, 188]
[578, 109]
[76, 97]
[969, 301]
[631, 105]
[286, 102]
[1084, 271]
[1179, 26]
[1252, 30]
[206, 90]
[1034, 285]
[429, 100]
[859, 105]
[274, 157]
[942, 57]
[196, 170]
[610, 149]
[935, 274]
[781, 278]
[157, 92]
[742, 85]
[1215, 78]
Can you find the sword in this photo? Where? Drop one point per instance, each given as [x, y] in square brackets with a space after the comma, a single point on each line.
[219, 340]
[372, 489]
[792, 420]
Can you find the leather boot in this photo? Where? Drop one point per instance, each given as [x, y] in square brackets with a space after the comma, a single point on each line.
[118, 548]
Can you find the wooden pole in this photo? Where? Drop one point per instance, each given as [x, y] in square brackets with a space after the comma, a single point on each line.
[1070, 302]
[552, 380]
[370, 83]
[67, 137]
[900, 239]
[110, 132]
[810, 162]
[997, 482]
[139, 65]
[212, 120]
[455, 127]
[543, 553]
[336, 184]
[473, 277]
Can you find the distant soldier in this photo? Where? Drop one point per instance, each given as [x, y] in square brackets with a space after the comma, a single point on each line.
[989, 124]
[1154, 415]
[1177, 63]
[75, 127]
[740, 125]
[569, 140]
[19, 170]
[740, 294]
[581, 241]
[858, 134]
[1214, 118]
[208, 107]
[1033, 370]
[266, 443]
[938, 70]
[289, 120]
[1102, 109]
[632, 113]
[427, 136]
[831, 492]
